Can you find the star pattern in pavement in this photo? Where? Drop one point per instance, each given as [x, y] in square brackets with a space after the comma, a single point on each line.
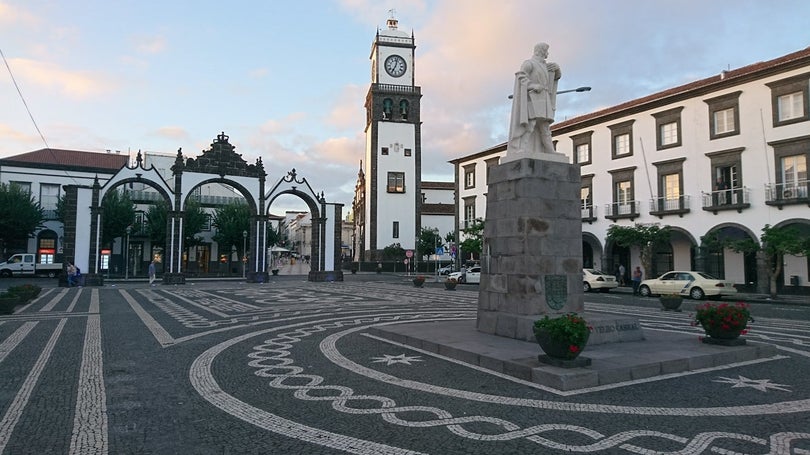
[763, 385]
[392, 359]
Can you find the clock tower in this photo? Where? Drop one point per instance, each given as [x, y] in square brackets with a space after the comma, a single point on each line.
[387, 201]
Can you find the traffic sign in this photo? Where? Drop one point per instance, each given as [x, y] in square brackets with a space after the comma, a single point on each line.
[440, 251]
[409, 254]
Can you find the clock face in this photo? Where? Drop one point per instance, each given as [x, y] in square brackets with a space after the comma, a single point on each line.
[395, 65]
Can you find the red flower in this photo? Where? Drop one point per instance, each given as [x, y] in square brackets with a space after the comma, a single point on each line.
[573, 348]
[744, 331]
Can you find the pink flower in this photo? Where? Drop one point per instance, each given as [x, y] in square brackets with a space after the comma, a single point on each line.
[573, 348]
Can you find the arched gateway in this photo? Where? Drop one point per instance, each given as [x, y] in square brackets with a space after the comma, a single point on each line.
[219, 164]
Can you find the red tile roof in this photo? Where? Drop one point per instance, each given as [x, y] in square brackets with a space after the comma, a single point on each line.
[709, 84]
[69, 159]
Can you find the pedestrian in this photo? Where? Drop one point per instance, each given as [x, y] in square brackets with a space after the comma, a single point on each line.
[152, 273]
[71, 274]
[622, 270]
[637, 274]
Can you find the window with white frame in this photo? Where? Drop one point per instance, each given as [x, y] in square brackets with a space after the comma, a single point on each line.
[624, 193]
[469, 211]
[622, 139]
[672, 187]
[469, 176]
[789, 99]
[724, 121]
[790, 106]
[668, 126]
[49, 199]
[582, 147]
[396, 182]
[24, 186]
[724, 118]
[669, 133]
[585, 197]
[794, 176]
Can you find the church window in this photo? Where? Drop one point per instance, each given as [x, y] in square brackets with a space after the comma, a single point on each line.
[396, 182]
[388, 108]
[384, 151]
[403, 109]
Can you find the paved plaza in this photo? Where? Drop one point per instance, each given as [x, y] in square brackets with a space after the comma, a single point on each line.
[294, 367]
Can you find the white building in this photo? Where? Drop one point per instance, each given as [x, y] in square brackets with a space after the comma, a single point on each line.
[720, 157]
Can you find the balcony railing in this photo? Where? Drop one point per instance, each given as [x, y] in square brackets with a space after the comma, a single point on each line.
[661, 206]
[619, 210]
[780, 194]
[588, 213]
[733, 199]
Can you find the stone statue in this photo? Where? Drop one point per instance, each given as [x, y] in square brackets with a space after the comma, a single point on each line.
[534, 101]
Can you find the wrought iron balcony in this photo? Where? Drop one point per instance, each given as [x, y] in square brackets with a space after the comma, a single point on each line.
[733, 199]
[622, 210]
[662, 206]
[589, 213]
[780, 194]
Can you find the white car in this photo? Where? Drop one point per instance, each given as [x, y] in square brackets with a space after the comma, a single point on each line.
[696, 285]
[447, 270]
[596, 279]
[472, 275]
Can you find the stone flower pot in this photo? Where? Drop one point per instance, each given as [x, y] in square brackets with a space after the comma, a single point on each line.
[419, 281]
[450, 285]
[671, 302]
[559, 349]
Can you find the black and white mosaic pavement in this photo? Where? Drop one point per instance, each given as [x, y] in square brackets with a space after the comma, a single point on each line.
[295, 368]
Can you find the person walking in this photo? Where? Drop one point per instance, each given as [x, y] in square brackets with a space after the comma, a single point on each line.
[622, 271]
[637, 274]
[71, 274]
[152, 273]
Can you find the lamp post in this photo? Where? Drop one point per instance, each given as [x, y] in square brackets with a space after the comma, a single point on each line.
[126, 266]
[244, 253]
[578, 89]
[436, 253]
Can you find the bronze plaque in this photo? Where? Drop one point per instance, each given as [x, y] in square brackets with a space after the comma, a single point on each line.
[556, 290]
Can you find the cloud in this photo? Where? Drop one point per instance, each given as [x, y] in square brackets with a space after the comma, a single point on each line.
[16, 15]
[347, 110]
[155, 44]
[172, 132]
[75, 84]
[258, 73]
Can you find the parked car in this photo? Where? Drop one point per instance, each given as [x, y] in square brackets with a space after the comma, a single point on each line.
[26, 265]
[471, 275]
[596, 279]
[695, 285]
[447, 270]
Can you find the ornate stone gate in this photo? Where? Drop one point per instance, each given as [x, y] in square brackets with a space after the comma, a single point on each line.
[219, 164]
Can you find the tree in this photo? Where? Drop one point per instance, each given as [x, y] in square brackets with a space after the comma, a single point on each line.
[645, 236]
[278, 235]
[194, 219]
[429, 240]
[119, 212]
[156, 218]
[393, 252]
[231, 221]
[473, 242]
[775, 243]
[20, 215]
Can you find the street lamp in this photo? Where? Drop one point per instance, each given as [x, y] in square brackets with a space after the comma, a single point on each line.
[436, 253]
[126, 266]
[244, 253]
[578, 89]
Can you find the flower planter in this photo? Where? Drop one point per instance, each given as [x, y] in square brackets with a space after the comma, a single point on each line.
[450, 285]
[563, 339]
[723, 323]
[418, 281]
[671, 303]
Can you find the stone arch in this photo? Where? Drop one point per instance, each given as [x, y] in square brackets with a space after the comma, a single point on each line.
[326, 226]
[721, 261]
[592, 251]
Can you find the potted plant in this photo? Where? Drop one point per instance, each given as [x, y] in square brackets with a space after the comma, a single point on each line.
[671, 302]
[26, 292]
[418, 281]
[450, 284]
[563, 337]
[8, 302]
[723, 323]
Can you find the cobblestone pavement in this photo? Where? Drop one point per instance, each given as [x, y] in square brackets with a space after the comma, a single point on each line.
[292, 367]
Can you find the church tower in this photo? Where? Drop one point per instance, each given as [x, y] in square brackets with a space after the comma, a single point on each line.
[393, 157]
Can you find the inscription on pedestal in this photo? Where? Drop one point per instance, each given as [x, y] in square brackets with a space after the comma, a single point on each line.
[556, 290]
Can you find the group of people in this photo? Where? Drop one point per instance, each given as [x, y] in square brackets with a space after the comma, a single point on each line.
[74, 274]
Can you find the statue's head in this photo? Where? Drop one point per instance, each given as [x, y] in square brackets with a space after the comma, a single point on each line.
[541, 50]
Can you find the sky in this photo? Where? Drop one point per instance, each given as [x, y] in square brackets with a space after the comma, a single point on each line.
[287, 80]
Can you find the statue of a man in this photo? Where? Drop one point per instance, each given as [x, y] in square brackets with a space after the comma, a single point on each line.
[533, 104]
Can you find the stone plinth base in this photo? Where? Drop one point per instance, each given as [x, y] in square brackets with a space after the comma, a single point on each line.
[329, 275]
[579, 362]
[533, 233]
[606, 328]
